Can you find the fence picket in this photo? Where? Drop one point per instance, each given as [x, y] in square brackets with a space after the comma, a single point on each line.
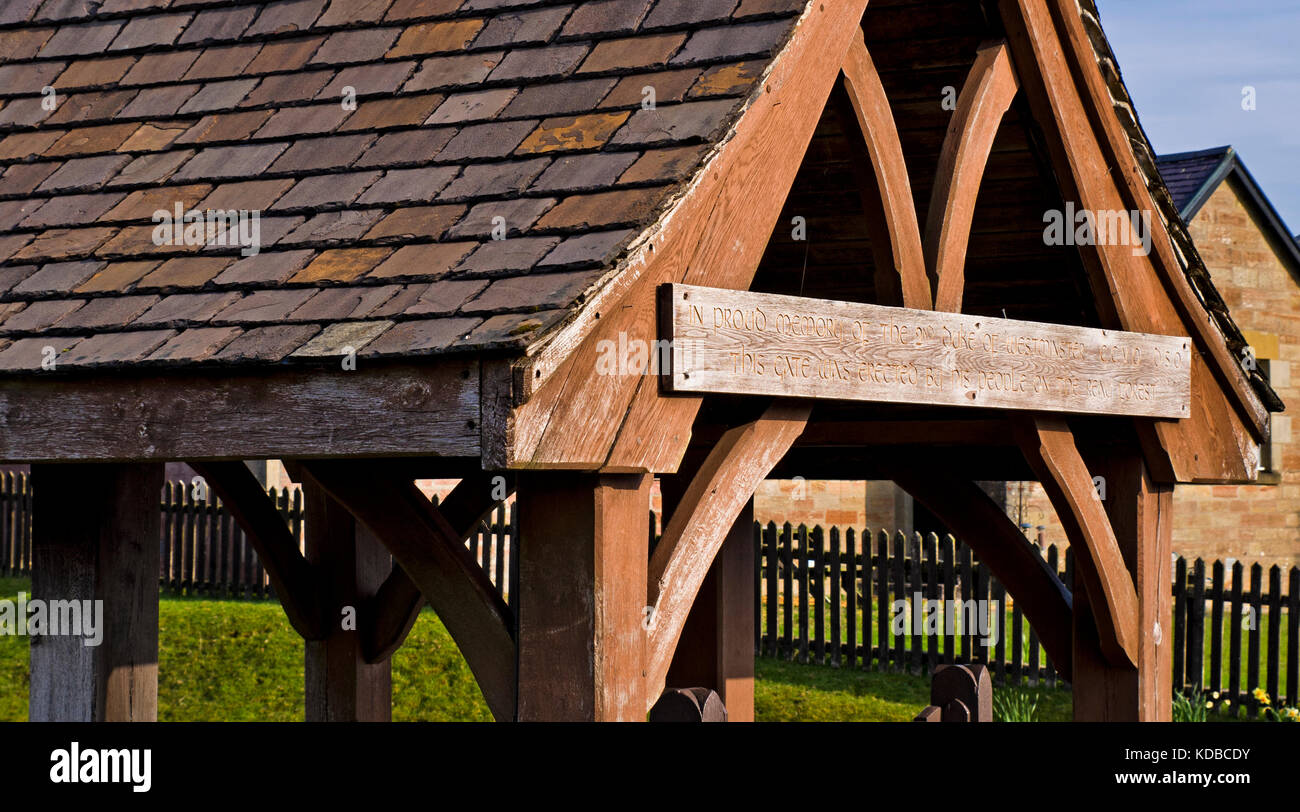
[836, 642]
[1196, 628]
[851, 595]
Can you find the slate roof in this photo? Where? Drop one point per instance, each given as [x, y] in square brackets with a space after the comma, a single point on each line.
[519, 117]
[1187, 174]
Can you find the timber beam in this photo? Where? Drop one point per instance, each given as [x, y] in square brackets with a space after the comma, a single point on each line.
[432, 553]
[297, 583]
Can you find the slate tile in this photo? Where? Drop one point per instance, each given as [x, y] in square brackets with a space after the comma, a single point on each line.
[20, 146]
[572, 133]
[632, 53]
[428, 260]
[517, 254]
[359, 45]
[30, 353]
[407, 185]
[249, 195]
[93, 72]
[28, 112]
[723, 80]
[346, 12]
[396, 112]
[519, 214]
[24, 43]
[678, 122]
[341, 265]
[624, 207]
[748, 8]
[269, 267]
[287, 88]
[218, 95]
[184, 272]
[416, 221]
[492, 140]
[149, 138]
[13, 274]
[134, 240]
[685, 12]
[285, 55]
[219, 24]
[475, 106]
[222, 61]
[441, 298]
[154, 167]
[380, 77]
[275, 229]
[115, 348]
[435, 38]
[151, 31]
[116, 277]
[606, 17]
[84, 173]
[11, 245]
[453, 71]
[142, 203]
[582, 172]
[411, 9]
[267, 344]
[30, 77]
[91, 106]
[537, 63]
[193, 345]
[533, 291]
[314, 154]
[513, 29]
[56, 277]
[224, 127]
[226, 162]
[168, 63]
[338, 226]
[107, 312]
[264, 306]
[180, 308]
[89, 140]
[21, 179]
[286, 17]
[667, 86]
[338, 340]
[14, 211]
[311, 119]
[158, 102]
[40, 315]
[598, 248]
[411, 146]
[749, 39]
[482, 180]
[419, 337]
[673, 163]
[511, 329]
[71, 210]
[83, 38]
[558, 98]
[339, 304]
[326, 190]
[18, 11]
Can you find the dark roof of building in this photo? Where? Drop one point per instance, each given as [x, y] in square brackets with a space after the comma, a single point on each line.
[385, 144]
[1193, 176]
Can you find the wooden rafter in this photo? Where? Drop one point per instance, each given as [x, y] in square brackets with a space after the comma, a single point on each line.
[432, 553]
[987, 94]
[986, 528]
[1048, 445]
[876, 120]
[398, 602]
[296, 583]
[698, 526]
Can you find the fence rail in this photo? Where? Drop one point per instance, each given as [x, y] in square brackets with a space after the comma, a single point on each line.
[821, 596]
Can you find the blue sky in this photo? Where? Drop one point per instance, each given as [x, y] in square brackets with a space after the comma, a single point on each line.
[1185, 63]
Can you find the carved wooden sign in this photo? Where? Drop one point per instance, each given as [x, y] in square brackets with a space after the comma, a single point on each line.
[738, 342]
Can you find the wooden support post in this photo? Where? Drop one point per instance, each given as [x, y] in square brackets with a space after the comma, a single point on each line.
[340, 685]
[582, 595]
[1141, 513]
[106, 549]
[716, 649]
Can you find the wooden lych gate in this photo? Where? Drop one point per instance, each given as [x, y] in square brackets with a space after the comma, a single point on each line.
[1088, 367]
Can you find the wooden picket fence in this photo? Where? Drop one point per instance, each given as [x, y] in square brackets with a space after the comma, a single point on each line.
[205, 553]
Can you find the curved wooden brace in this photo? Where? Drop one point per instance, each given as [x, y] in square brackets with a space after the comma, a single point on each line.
[718, 492]
[1048, 446]
[296, 582]
[433, 555]
[986, 529]
[396, 606]
[984, 100]
[876, 120]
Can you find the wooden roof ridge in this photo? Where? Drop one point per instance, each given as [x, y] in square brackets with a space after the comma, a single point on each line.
[1145, 156]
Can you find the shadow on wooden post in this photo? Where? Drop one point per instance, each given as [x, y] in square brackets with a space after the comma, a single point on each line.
[959, 693]
[689, 705]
